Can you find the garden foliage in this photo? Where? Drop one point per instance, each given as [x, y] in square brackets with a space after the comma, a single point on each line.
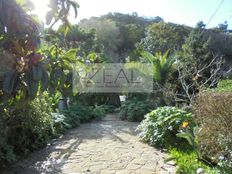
[160, 126]
[134, 110]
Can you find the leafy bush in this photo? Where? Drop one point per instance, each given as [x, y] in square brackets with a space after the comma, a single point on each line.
[31, 126]
[223, 86]
[214, 114]
[59, 123]
[134, 110]
[24, 126]
[78, 113]
[99, 111]
[6, 150]
[161, 126]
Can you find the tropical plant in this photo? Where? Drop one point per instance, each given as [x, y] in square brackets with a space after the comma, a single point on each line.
[59, 64]
[190, 134]
[163, 65]
[23, 69]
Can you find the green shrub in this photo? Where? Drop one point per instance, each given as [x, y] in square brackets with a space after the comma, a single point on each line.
[134, 110]
[110, 108]
[59, 123]
[188, 163]
[213, 112]
[161, 126]
[6, 150]
[24, 126]
[31, 126]
[78, 113]
[99, 111]
[223, 86]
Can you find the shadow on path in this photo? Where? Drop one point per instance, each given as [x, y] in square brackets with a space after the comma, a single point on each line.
[106, 146]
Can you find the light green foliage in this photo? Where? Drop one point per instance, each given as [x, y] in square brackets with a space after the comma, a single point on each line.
[188, 163]
[163, 65]
[190, 134]
[223, 86]
[162, 124]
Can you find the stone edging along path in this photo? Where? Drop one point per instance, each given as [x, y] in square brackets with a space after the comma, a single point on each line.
[109, 146]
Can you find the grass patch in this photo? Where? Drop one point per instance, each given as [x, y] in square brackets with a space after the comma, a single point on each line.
[187, 162]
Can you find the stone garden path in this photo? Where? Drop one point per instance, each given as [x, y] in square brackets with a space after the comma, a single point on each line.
[109, 146]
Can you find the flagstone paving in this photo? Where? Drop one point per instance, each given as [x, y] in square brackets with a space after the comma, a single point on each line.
[109, 146]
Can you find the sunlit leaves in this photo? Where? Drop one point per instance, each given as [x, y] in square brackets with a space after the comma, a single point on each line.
[162, 65]
[60, 11]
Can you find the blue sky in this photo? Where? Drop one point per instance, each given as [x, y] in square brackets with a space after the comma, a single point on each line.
[187, 12]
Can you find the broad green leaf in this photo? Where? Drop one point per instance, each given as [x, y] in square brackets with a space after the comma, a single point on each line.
[186, 136]
[71, 54]
[171, 158]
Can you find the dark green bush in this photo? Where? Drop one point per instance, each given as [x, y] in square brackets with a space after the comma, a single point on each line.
[31, 126]
[99, 111]
[24, 126]
[161, 126]
[134, 110]
[59, 123]
[6, 150]
[213, 111]
[78, 113]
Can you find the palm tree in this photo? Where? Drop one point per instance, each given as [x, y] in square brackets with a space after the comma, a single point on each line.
[162, 65]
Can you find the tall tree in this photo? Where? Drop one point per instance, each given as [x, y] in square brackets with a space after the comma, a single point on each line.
[107, 33]
[164, 36]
